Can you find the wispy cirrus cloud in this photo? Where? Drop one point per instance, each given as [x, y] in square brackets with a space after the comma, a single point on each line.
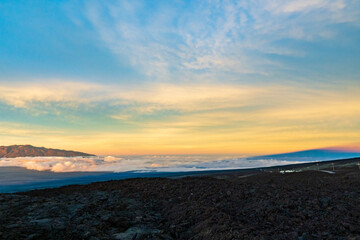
[217, 37]
[189, 118]
[276, 100]
[23, 94]
[146, 98]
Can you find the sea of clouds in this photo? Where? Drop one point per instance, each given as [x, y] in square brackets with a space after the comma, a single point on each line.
[157, 163]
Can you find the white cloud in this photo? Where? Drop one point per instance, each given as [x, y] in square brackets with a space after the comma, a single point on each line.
[159, 47]
[160, 163]
[141, 99]
[22, 94]
[326, 8]
[291, 6]
[214, 36]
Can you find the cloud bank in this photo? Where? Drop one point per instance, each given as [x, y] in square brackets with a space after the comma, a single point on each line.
[161, 163]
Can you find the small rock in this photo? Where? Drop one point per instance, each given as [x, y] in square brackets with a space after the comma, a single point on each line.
[303, 237]
[129, 234]
[105, 217]
[42, 221]
[32, 236]
[324, 202]
[134, 233]
[86, 234]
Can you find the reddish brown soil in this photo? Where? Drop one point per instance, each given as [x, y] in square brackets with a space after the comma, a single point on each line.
[305, 205]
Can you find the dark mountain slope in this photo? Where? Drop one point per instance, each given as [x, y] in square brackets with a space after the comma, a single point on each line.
[31, 151]
[314, 154]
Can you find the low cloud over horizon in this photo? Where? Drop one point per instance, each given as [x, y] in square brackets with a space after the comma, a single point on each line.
[176, 163]
[170, 163]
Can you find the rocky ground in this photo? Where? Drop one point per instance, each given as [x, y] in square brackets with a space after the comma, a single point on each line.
[304, 205]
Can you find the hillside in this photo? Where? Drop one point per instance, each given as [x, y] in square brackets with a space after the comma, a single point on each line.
[31, 151]
[247, 204]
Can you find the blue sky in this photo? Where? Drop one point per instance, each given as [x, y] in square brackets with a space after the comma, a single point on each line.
[143, 77]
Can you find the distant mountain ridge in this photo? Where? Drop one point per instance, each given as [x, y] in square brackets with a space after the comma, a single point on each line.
[313, 154]
[31, 151]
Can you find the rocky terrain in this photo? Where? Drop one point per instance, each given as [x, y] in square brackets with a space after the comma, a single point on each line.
[31, 151]
[232, 205]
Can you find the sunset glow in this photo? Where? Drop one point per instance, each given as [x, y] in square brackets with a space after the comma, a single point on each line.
[135, 78]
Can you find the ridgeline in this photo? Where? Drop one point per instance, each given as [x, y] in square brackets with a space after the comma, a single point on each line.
[31, 151]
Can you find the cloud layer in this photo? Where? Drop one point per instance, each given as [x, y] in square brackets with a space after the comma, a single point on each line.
[179, 118]
[160, 163]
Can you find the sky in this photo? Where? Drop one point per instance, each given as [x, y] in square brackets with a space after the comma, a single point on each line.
[180, 77]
